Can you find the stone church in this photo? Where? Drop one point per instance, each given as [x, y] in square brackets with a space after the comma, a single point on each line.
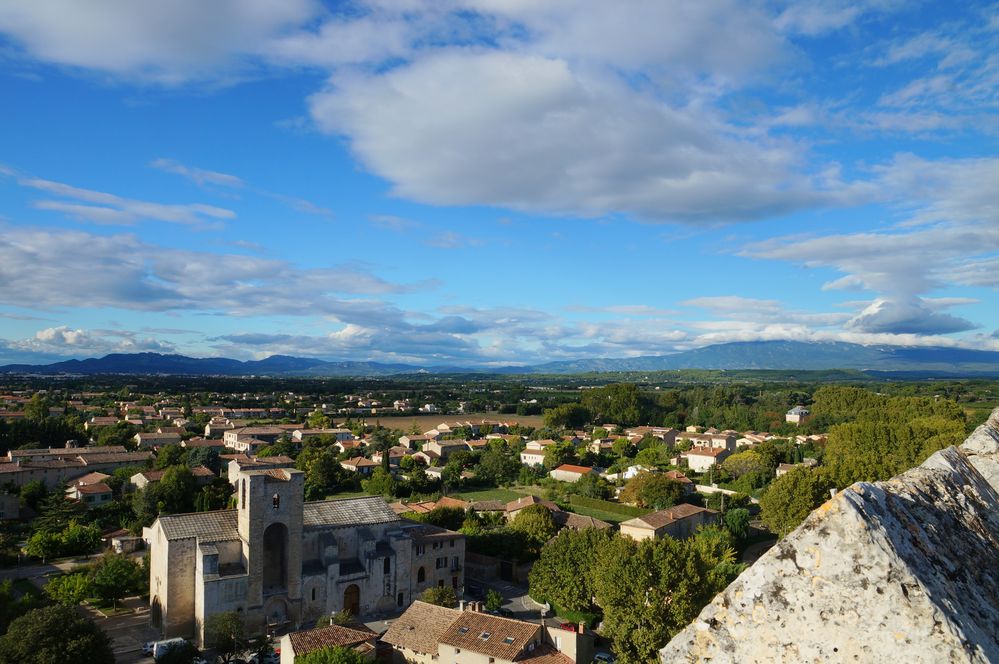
[282, 562]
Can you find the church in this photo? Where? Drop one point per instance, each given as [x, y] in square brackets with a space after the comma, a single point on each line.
[282, 562]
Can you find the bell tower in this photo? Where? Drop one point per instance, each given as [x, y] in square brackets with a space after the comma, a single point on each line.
[269, 506]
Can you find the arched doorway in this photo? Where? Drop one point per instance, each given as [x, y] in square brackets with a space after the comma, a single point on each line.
[352, 599]
[421, 575]
[275, 558]
[156, 614]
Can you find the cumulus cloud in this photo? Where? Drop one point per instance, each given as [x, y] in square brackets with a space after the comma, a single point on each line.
[910, 316]
[69, 342]
[530, 133]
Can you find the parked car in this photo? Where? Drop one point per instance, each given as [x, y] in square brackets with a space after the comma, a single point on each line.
[269, 658]
[603, 658]
[147, 648]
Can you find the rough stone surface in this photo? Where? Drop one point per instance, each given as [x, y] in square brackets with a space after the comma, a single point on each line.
[900, 571]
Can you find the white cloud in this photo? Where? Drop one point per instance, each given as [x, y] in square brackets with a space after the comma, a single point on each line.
[530, 133]
[164, 42]
[66, 341]
[906, 316]
[104, 208]
[199, 176]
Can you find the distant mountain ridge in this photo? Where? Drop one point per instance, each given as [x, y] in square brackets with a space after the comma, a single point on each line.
[778, 355]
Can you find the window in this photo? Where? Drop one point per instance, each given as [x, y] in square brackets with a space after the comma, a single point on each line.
[508, 640]
[485, 635]
[421, 549]
[242, 492]
[421, 575]
[399, 600]
[276, 501]
[452, 544]
[440, 584]
[313, 594]
[463, 630]
[387, 566]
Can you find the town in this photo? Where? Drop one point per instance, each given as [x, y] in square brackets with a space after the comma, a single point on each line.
[415, 521]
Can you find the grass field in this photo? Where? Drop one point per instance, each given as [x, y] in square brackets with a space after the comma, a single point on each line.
[504, 495]
[609, 517]
[427, 422]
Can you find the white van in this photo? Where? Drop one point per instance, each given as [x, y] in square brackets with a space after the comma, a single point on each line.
[161, 648]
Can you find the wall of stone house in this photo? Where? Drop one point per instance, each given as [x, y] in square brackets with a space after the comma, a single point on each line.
[172, 582]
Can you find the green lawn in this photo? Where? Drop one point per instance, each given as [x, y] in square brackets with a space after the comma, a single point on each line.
[609, 517]
[503, 495]
[341, 496]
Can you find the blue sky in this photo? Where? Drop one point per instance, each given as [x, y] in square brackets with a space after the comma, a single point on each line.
[492, 182]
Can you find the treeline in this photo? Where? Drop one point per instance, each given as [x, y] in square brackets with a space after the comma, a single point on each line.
[872, 437]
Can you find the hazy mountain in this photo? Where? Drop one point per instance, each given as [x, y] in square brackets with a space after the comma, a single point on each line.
[786, 355]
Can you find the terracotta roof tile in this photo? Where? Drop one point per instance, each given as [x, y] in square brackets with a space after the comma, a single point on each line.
[308, 640]
[420, 627]
[494, 636]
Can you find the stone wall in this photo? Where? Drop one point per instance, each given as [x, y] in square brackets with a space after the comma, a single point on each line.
[900, 571]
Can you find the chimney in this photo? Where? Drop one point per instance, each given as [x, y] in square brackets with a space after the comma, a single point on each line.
[461, 605]
[582, 627]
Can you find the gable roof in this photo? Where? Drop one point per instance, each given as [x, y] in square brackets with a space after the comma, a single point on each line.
[346, 512]
[420, 627]
[527, 501]
[306, 641]
[667, 516]
[579, 470]
[505, 638]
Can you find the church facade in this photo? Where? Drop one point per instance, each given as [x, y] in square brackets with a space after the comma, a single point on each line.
[281, 562]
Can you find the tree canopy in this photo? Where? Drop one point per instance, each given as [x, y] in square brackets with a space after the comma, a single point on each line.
[54, 635]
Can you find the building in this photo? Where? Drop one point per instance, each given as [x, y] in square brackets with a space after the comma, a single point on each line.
[156, 439]
[426, 634]
[679, 522]
[57, 466]
[360, 465]
[700, 459]
[532, 457]
[282, 562]
[250, 439]
[239, 462]
[797, 415]
[354, 636]
[570, 473]
[202, 476]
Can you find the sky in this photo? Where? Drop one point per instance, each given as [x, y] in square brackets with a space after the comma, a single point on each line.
[495, 182]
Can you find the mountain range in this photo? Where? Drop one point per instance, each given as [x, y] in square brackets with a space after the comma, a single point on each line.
[780, 355]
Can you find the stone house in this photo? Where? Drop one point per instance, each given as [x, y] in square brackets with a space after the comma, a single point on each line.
[570, 473]
[679, 522]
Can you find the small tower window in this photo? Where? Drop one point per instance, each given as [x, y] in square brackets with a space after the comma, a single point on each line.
[242, 492]
[276, 501]
[387, 566]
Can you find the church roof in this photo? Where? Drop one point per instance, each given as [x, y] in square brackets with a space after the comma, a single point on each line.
[347, 512]
[210, 526]
[220, 525]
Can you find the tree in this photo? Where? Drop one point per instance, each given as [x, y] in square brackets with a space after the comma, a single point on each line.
[54, 635]
[78, 539]
[440, 595]
[564, 573]
[652, 490]
[69, 589]
[561, 452]
[225, 634]
[792, 497]
[318, 420]
[33, 493]
[114, 577]
[176, 490]
[744, 463]
[494, 600]
[204, 456]
[381, 483]
[43, 545]
[331, 655]
[169, 455]
[537, 523]
[567, 416]
[737, 522]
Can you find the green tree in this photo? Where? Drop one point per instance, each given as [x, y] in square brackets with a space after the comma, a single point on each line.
[381, 483]
[33, 493]
[537, 523]
[318, 420]
[44, 545]
[561, 452]
[737, 522]
[204, 456]
[331, 655]
[564, 574]
[37, 408]
[169, 455]
[440, 595]
[744, 463]
[653, 491]
[54, 635]
[176, 490]
[114, 576]
[69, 589]
[792, 497]
[225, 633]
[78, 539]
[494, 600]
[567, 416]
